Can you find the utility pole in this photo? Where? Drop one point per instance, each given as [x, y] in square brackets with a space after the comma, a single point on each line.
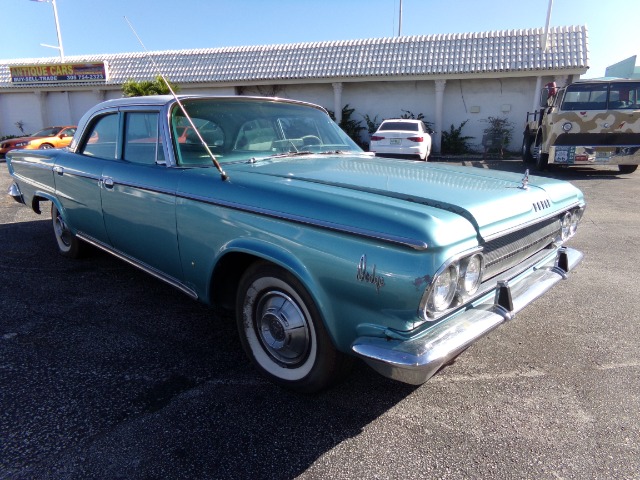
[400, 20]
[55, 15]
[545, 37]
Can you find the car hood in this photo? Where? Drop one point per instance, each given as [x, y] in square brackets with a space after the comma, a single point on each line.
[403, 196]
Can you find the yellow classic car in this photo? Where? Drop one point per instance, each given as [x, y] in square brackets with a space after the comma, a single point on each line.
[50, 137]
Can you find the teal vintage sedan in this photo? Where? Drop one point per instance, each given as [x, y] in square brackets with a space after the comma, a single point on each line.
[325, 253]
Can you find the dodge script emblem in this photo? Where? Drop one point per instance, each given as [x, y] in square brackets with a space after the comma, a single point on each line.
[369, 277]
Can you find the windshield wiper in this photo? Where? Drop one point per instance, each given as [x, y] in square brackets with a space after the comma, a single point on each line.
[291, 154]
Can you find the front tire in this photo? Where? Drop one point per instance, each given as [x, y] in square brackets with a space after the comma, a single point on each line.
[68, 244]
[541, 159]
[282, 332]
[527, 143]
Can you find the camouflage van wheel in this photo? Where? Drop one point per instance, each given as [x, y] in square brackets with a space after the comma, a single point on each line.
[527, 145]
[541, 159]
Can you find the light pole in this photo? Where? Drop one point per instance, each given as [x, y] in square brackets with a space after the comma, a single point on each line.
[55, 14]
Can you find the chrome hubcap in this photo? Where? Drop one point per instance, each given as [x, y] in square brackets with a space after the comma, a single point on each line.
[61, 230]
[282, 329]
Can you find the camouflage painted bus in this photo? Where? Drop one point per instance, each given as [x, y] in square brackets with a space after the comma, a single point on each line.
[589, 122]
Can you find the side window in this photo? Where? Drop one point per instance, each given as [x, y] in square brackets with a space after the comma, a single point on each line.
[102, 138]
[141, 138]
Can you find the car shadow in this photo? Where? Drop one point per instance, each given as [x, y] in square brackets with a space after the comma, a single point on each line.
[108, 373]
[553, 171]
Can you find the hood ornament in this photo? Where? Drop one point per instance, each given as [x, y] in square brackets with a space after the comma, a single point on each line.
[525, 181]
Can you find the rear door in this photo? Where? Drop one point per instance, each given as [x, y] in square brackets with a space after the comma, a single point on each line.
[77, 176]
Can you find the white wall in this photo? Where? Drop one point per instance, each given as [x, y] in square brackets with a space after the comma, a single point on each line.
[16, 107]
[381, 99]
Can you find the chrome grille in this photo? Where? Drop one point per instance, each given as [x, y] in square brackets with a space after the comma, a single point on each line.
[508, 251]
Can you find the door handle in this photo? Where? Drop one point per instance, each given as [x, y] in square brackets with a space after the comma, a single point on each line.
[107, 182]
[59, 170]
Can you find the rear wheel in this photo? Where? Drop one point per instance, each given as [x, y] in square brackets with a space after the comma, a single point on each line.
[425, 157]
[68, 244]
[627, 168]
[46, 146]
[282, 333]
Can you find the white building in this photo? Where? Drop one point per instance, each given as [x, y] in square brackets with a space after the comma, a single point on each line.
[448, 78]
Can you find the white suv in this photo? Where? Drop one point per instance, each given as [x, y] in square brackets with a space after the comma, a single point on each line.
[402, 138]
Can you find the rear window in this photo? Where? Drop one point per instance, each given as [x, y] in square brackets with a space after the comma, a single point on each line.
[407, 126]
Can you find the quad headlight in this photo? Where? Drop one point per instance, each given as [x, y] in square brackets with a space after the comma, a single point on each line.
[470, 274]
[569, 223]
[444, 288]
[456, 281]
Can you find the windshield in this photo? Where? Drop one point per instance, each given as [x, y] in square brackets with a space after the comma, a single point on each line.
[237, 129]
[602, 96]
[47, 132]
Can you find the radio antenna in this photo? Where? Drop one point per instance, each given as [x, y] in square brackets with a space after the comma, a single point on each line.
[223, 175]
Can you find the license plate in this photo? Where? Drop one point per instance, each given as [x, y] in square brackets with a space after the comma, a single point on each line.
[603, 155]
[395, 141]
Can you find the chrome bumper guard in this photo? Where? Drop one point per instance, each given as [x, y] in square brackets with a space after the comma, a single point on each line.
[416, 360]
[14, 191]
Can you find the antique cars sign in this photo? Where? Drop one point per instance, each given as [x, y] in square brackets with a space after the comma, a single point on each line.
[265, 207]
[59, 72]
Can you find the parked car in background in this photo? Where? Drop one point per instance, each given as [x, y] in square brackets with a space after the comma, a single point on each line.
[50, 137]
[324, 252]
[402, 138]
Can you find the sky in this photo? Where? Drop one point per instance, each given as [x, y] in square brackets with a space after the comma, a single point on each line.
[94, 26]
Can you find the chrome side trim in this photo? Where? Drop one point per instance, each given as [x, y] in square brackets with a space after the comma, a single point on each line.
[403, 241]
[416, 359]
[174, 282]
[36, 185]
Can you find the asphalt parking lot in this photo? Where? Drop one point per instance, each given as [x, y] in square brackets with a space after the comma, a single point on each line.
[107, 373]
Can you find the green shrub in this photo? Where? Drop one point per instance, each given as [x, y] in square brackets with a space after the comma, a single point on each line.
[350, 126]
[453, 142]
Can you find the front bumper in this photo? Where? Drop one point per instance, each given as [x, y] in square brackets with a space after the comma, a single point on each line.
[418, 358]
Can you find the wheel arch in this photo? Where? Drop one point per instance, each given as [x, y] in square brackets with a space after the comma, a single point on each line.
[40, 196]
[236, 260]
